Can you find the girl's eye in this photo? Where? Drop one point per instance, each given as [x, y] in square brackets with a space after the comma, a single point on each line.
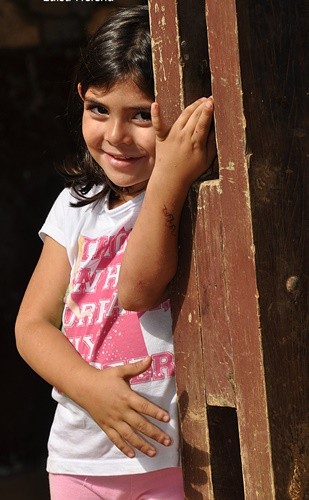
[98, 110]
[143, 116]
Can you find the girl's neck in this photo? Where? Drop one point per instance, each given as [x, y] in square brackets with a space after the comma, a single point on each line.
[125, 194]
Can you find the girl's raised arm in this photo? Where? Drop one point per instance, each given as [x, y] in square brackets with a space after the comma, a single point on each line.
[182, 154]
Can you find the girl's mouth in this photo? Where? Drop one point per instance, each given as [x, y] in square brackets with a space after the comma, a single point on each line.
[121, 160]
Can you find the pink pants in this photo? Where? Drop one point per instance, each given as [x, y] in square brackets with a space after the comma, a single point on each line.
[165, 484]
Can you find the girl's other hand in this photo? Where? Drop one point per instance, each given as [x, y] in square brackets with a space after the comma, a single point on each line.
[121, 412]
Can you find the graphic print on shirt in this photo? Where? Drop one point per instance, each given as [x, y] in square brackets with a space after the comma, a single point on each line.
[93, 320]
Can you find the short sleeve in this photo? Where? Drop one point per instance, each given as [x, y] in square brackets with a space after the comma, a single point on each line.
[54, 225]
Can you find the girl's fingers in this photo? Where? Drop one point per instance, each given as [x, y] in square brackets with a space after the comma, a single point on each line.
[127, 441]
[134, 369]
[157, 122]
[196, 117]
[141, 404]
[191, 113]
[129, 435]
[181, 121]
[202, 122]
[117, 440]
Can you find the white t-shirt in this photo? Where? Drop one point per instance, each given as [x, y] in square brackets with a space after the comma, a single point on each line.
[106, 335]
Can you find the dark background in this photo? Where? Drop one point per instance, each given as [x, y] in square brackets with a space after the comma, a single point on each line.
[39, 47]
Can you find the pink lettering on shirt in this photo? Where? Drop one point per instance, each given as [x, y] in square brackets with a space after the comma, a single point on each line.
[99, 328]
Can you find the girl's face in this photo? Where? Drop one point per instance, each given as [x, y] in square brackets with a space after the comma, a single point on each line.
[118, 133]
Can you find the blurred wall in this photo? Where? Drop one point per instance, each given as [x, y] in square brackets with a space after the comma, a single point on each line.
[39, 46]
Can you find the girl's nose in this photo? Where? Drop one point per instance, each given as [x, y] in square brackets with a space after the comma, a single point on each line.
[118, 132]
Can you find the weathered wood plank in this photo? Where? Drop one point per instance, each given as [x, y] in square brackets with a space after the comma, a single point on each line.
[189, 361]
[212, 292]
[239, 253]
[240, 305]
[206, 221]
[166, 57]
[190, 374]
[274, 63]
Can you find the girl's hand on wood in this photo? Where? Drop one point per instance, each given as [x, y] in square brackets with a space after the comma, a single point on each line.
[188, 149]
[119, 411]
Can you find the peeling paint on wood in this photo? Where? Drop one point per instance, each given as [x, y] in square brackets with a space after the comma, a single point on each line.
[239, 298]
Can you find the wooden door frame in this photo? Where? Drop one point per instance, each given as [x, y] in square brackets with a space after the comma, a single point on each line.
[221, 325]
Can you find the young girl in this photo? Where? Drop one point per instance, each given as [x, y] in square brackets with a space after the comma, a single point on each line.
[95, 321]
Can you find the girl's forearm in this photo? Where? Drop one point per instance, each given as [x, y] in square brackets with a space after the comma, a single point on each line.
[52, 356]
[151, 256]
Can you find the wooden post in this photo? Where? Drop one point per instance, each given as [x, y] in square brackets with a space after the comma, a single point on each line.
[272, 41]
[239, 300]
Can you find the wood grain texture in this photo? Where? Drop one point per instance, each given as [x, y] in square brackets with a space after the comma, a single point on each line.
[273, 40]
[241, 301]
[241, 292]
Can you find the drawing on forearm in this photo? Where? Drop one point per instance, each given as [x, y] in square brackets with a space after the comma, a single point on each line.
[170, 219]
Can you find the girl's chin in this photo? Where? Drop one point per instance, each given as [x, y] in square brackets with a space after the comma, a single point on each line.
[126, 182]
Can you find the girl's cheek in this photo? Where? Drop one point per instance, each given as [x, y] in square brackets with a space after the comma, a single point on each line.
[91, 132]
[85, 128]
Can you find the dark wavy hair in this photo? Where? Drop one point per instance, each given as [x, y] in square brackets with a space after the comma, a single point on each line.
[119, 49]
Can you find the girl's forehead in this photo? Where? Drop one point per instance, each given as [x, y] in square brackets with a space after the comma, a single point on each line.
[123, 89]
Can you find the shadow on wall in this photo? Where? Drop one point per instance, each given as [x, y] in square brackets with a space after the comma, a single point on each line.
[39, 46]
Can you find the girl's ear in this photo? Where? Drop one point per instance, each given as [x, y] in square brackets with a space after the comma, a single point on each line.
[80, 92]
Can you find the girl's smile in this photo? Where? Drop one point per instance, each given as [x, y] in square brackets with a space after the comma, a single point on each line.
[121, 161]
[118, 133]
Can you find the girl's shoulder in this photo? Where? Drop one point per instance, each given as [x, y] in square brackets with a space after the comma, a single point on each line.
[69, 198]
[65, 221]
